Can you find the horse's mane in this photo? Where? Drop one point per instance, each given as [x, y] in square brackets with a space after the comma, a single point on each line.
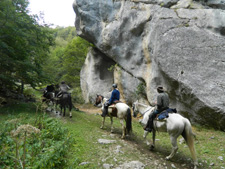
[147, 111]
[143, 104]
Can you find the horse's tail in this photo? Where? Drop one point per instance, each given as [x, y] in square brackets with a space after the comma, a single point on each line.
[129, 121]
[188, 135]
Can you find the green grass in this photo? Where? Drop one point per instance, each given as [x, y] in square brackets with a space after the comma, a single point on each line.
[84, 129]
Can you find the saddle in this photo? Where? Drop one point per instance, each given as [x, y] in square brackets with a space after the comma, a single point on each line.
[60, 94]
[165, 114]
[114, 109]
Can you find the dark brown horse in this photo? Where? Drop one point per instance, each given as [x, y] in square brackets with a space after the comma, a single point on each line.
[65, 102]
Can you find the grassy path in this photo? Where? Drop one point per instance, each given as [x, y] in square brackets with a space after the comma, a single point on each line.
[87, 152]
[85, 128]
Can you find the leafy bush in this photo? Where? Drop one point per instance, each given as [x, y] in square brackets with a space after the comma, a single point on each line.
[141, 90]
[43, 144]
[77, 95]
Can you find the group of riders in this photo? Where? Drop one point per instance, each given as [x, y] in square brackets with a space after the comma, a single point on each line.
[161, 104]
[61, 89]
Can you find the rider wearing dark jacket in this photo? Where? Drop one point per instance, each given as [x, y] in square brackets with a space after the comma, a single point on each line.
[49, 89]
[115, 96]
[162, 104]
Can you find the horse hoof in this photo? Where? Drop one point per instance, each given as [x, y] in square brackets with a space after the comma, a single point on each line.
[151, 147]
[167, 158]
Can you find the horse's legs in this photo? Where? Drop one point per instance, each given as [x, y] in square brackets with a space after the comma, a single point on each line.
[111, 118]
[52, 106]
[70, 106]
[103, 123]
[145, 137]
[174, 148]
[61, 110]
[153, 140]
[64, 112]
[123, 128]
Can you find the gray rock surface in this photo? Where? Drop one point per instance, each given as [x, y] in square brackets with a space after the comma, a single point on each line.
[177, 44]
[132, 164]
[105, 141]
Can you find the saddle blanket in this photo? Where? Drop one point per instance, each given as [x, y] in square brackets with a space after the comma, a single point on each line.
[113, 106]
[165, 113]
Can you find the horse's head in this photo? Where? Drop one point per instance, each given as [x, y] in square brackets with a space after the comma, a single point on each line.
[98, 100]
[134, 108]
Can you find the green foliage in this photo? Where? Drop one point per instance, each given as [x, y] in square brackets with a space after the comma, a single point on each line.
[74, 57]
[112, 67]
[77, 95]
[141, 90]
[44, 149]
[23, 45]
[67, 57]
[67, 34]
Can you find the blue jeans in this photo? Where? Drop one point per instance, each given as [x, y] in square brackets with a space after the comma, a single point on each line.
[155, 112]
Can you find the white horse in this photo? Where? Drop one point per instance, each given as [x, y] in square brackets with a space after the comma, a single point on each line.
[120, 110]
[175, 125]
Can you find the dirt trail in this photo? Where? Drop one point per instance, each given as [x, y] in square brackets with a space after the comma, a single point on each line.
[139, 148]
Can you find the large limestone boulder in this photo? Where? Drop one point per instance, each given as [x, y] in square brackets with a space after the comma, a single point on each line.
[95, 76]
[177, 44]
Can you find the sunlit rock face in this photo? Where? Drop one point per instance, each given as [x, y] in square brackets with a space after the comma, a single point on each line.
[179, 44]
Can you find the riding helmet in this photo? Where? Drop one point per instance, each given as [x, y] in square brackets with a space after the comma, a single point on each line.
[114, 85]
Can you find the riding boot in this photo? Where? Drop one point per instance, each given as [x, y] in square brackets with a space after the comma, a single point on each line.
[105, 111]
[149, 125]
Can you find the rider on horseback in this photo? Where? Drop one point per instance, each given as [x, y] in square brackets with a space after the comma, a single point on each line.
[162, 104]
[49, 89]
[63, 88]
[115, 97]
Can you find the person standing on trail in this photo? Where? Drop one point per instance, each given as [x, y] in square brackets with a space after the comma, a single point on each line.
[162, 104]
[115, 97]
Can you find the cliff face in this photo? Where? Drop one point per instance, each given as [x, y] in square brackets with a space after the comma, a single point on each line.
[177, 44]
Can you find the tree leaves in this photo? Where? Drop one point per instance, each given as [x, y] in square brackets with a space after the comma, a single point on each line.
[24, 45]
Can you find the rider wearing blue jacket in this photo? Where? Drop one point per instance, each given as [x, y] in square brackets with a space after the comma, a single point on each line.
[115, 96]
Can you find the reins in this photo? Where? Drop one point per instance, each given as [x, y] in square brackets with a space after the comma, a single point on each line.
[143, 113]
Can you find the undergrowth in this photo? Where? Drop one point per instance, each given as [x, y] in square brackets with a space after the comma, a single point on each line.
[31, 140]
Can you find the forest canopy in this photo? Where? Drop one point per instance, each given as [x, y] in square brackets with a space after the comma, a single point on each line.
[33, 53]
[24, 45]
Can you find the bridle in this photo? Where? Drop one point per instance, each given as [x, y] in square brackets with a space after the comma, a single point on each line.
[133, 107]
[100, 99]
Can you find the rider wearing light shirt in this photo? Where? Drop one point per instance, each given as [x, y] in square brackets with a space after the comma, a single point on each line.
[63, 88]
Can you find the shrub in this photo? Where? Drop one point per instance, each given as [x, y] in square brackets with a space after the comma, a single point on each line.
[77, 95]
[24, 145]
